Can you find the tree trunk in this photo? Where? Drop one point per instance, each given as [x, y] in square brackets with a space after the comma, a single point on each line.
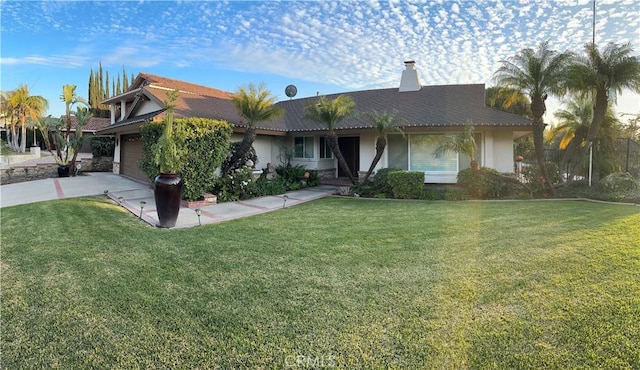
[538, 108]
[77, 146]
[23, 136]
[599, 111]
[247, 140]
[14, 138]
[333, 144]
[381, 144]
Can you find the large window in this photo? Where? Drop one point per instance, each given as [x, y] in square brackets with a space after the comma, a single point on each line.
[303, 147]
[421, 149]
[398, 152]
[415, 153]
[325, 149]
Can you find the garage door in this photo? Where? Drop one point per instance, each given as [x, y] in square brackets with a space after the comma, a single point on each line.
[130, 155]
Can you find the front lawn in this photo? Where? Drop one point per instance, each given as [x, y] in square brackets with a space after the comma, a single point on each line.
[348, 283]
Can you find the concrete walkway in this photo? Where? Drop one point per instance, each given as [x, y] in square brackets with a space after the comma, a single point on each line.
[131, 195]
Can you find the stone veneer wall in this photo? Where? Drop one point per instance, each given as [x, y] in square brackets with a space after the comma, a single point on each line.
[41, 171]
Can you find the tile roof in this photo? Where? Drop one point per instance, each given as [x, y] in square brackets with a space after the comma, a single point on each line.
[190, 105]
[431, 106]
[94, 124]
[186, 87]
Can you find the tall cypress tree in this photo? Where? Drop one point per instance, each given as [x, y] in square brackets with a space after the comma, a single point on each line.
[107, 94]
[125, 80]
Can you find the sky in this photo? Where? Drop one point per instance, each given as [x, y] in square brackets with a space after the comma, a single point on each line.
[321, 47]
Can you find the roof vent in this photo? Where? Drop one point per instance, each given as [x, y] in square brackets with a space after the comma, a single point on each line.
[409, 80]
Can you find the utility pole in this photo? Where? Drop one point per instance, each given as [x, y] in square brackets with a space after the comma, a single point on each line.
[593, 38]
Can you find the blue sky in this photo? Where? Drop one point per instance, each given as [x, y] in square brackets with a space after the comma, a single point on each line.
[319, 46]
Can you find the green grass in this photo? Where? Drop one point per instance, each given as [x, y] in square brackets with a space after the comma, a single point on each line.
[350, 283]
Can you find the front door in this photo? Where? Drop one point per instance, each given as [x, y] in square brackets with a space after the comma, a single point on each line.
[350, 149]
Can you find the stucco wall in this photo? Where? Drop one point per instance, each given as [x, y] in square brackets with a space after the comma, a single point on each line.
[499, 150]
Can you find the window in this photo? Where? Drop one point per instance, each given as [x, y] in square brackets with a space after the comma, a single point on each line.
[398, 152]
[325, 149]
[421, 148]
[415, 153]
[303, 147]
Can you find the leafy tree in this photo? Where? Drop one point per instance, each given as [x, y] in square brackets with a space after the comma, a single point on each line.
[461, 142]
[601, 74]
[535, 73]
[20, 106]
[255, 104]
[632, 128]
[57, 138]
[386, 122]
[71, 99]
[330, 113]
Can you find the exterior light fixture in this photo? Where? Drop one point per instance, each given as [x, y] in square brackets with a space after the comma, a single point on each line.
[142, 203]
[285, 197]
[199, 213]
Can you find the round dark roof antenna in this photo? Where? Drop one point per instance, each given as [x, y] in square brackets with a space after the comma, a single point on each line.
[291, 91]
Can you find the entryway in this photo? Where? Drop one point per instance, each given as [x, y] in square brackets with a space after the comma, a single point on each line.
[350, 148]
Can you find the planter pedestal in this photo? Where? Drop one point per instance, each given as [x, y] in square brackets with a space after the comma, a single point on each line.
[168, 194]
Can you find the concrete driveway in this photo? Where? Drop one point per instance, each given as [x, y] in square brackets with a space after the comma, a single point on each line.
[138, 198]
[93, 183]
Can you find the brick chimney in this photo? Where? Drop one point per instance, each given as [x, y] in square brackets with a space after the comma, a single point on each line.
[409, 80]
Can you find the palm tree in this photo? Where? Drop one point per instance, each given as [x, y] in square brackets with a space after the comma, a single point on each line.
[535, 73]
[70, 99]
[385, 122]
[7, 112]
[603, 74]
[572, 133]
[463, 142]
[572, 130]
[25, 107]
[255, 104]
[508, 100]
[330, 113]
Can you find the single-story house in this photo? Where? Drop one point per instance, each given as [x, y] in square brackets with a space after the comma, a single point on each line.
[426, 112]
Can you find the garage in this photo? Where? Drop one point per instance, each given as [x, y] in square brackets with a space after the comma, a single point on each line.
[130, 155]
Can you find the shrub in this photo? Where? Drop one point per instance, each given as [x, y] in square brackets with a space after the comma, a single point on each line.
[381, 180]
[206, 144]
[434, 194]
[406, 184]
[293, 176]
[484, 183]
[262, 186]
[533, 177]
[365, 189]
[457, 194]
[251, 156]
[103, 146]
[617, 182]
[235, 186]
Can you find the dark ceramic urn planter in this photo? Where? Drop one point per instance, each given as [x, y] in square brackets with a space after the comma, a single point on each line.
[63, 171]
[168, 194]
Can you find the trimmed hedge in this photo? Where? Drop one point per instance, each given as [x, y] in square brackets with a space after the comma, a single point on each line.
[381, 181]
[406, 184]
[103, 146]
[207, 144]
